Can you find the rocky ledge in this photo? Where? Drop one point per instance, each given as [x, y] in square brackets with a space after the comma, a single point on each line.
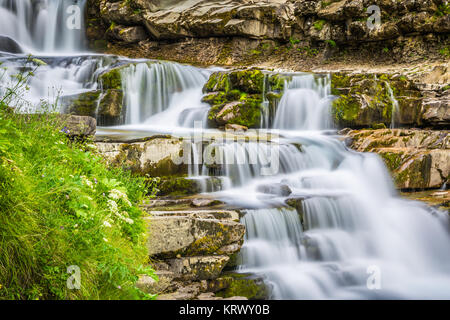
[417, 159]
[190, 244]
[282, 31]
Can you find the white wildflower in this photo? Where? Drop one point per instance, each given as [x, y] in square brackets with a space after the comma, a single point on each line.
[117, 194]
[107, 224]
[112, 206]
[87, 182]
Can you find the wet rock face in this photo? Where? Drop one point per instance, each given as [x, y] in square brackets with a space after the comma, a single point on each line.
[105, 105]
[417, 159]
[272, 19]
[190, 248]
[368, 100]
[155, 157]
[236, 96]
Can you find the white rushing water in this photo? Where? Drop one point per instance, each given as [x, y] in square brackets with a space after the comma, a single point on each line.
[350, 236]
[164, 93]
[357, 240]
[44, 25]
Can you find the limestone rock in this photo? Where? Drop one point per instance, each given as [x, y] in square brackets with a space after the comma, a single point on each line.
[110, 108]
[159, 156]
[83, 104]
[187, 235]
[365, 100]
[197, 268]
[129, 34]
[418, 159]
[80, 125]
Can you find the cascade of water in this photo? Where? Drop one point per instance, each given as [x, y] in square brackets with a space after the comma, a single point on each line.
[44, 25]
[54, 77]
[347, 219]
[351, 224]
[159, 92]
[394, 104]
[305, 104]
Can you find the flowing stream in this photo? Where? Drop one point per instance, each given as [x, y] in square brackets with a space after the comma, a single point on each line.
[346, 233]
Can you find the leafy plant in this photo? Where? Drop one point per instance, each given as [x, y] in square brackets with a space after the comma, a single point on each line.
[318, 25]
[332, 43]
[61, 206]
[445, 52]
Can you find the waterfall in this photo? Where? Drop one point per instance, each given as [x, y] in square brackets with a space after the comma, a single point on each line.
[394, 103]
[163, 93]
[323, 222]
[305, 104]
[350, 237]
[44, 25]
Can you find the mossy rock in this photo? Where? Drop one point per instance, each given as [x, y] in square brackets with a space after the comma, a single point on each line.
[245, 113]
[110, 109]
[248, 81]
[277, 82]
[244, 285]
[84, 104]
[111, 79]
[364, 100]
[178, 187]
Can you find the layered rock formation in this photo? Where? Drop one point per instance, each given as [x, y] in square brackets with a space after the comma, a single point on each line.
[417, 159]
[190, 247]
[371, 99]
[243, 31]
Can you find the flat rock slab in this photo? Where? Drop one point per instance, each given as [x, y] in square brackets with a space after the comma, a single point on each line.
[190, 233]
[197, 268]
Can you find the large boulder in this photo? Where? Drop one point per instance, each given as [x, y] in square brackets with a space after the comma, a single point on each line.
[110, 108]
[9, 45]
[158, 157]
[193, 233]
[80, 126]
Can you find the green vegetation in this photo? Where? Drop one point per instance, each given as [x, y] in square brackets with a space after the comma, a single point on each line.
[445, 52]
[243, 285]
[60, 206]
[111, 79]
[332, 43]
[293, 41]
[442, 10]
[318, 25]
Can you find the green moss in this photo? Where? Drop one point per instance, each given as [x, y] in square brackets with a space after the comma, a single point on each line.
[243, 285]
[214, 98]
[392, 160]
[111, 79]
[277, 82]
[379, 126]
[249, 81]
[318, 25]
[85, 104]
[345, 109]
[178, 186]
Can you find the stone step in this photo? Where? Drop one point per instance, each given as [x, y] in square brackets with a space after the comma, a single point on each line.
[189, 233]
